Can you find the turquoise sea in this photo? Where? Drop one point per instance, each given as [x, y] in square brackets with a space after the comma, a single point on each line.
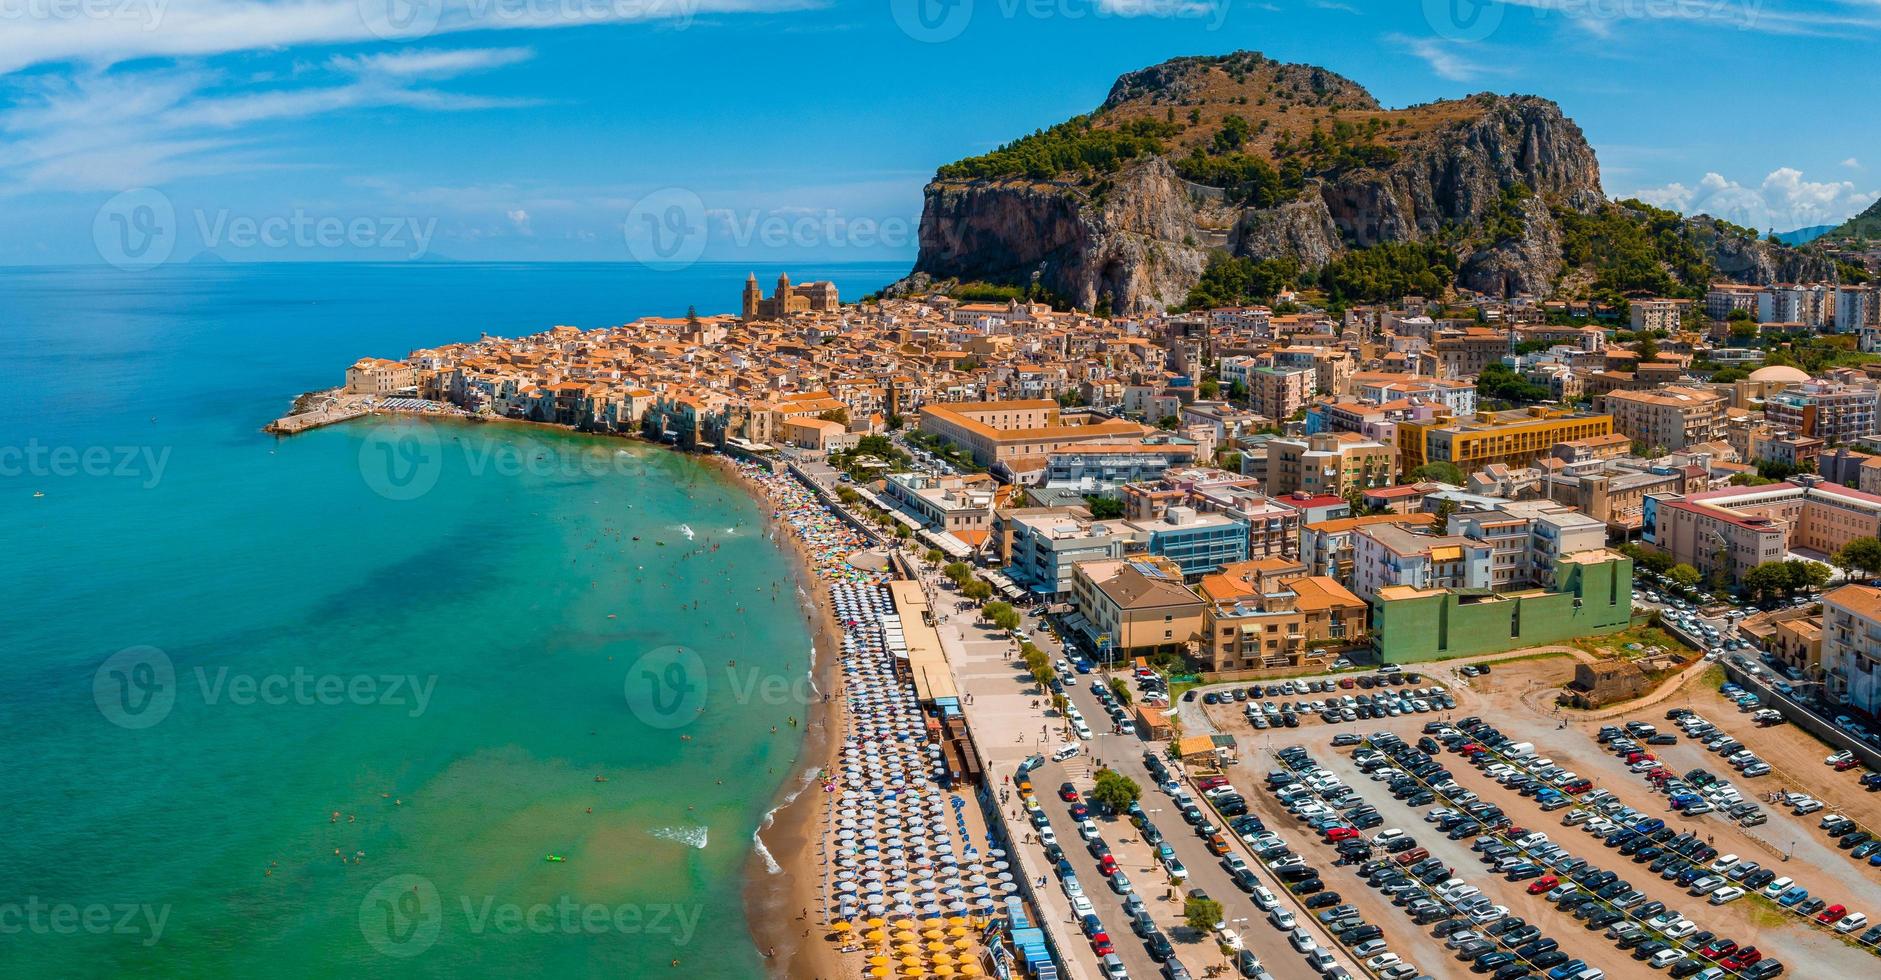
[323, 705]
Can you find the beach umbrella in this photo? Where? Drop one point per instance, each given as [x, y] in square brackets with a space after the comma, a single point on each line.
[875, 935]
[879, 971]
[914, 961]
[878, 960]
[842, 925]
[969, 970]
[963, 942]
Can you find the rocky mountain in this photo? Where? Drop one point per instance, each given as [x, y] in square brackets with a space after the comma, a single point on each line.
[1866, 225]
[1187, 161]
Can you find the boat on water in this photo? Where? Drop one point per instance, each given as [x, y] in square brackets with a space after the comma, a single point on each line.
[554, 859]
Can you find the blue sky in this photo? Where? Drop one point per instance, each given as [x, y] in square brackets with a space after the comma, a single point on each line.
[267, 130]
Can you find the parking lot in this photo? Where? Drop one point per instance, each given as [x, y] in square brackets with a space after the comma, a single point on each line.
[1749, 921]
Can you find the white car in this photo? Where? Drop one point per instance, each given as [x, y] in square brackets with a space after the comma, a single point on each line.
[1665, 958]
[1083, 730]
[1087, 829]
[1851, 922]
[1724, 895]
[1229, 938]
[1680, 929]
[1081, 906]
[1383, 960]
[1066, 752]
[1281, 918]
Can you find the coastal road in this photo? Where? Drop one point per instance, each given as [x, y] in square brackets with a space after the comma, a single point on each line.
[1124, 753]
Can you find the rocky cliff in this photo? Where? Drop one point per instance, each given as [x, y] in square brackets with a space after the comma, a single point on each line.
[1123, 209]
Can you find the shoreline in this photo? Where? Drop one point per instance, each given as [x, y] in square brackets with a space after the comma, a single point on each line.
[790, 834]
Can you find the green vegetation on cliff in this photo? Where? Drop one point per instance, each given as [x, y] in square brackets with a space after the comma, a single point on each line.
[1632, 247]
[1071, 147]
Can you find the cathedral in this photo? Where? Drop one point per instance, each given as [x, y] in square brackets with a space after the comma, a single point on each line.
[813, 297]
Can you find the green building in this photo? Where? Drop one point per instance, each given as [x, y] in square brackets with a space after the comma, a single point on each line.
[1592, 594]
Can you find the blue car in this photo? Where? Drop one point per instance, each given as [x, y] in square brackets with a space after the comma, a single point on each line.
[1795, 894]
[1083, 666]
[1652, 826]
[1567, 969]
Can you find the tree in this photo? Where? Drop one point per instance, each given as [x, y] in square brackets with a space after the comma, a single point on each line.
[1647, 347]
[1115, 791]
[1202, 914]
[1445, 509]
[1816, 575]
[1862, 554]
[903, 532]
[1045, 674]
[977, 590]
[1684, 575]
[1210, 389]
[1440, 472]
[959, 571]
[1121, 688]
[934, 556]
[1104, 508]
[1168, 423]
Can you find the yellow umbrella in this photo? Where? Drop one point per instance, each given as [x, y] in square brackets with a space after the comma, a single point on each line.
[876, 935]
[969, 970]
[879, 971]
[936, 946]
[957, 931]
[963, 943]
[913, 971]
[878, 960]
[841, 925]
[933, 933]
[907, 949]
[875, 923]
[911, 961]
[943, 970]
[956, 920]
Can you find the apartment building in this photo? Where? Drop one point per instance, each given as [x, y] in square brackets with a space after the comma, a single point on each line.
[1043, 544]
[1658, 314]
[1197, 542]
[1280, 393]
[1326, 547]
[945, 503]
[1101, 468]
[1329, 463]
[1826, 410]
[1271, 614]
[1671, 418]
[1851, 646]
[1134, 607]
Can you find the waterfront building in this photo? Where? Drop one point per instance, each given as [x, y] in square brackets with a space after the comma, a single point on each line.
[1195, 541]
[1134, 607]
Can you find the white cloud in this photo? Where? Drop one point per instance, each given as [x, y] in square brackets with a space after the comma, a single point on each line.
[1852, 163]
[1599, 17]
[519, 219]
[431, 63]
[1784, 201]
[1445, 58]
[103, 34]
[102, 130]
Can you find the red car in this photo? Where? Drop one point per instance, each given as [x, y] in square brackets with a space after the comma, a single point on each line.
[1831, 914]
[1335, 834]
[1101, 943]
[1068, 793]
[1578, 787]
[1211, 782]
[1742, 958]
[1845, 765]
[1542, 884]
[1718, 949]
[1107, 866]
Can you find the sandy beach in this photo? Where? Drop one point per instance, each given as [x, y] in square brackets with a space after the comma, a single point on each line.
[783, 906]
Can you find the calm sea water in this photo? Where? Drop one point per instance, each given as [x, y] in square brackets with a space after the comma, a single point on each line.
[324, 704]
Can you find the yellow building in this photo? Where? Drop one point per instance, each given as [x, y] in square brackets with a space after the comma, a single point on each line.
[1516, 438]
